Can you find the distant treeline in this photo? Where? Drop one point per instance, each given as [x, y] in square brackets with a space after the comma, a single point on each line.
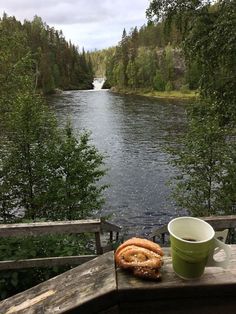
[57, 63]
[151, 58]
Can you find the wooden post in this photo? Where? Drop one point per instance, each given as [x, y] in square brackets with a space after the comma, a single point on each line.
[111, 236]
[163, 238]
[99, 249]
[231, 235]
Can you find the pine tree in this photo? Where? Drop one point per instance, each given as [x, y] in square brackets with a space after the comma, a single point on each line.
[124, 50]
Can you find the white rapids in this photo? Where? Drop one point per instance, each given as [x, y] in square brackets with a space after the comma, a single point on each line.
[98, 83]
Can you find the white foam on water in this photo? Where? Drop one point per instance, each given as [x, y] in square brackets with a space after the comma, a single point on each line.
[98, 83]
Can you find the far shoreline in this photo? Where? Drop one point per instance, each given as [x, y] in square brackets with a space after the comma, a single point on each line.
[175, 94]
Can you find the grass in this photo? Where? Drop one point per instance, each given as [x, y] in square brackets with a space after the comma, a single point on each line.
[176, 94]
[172, 94]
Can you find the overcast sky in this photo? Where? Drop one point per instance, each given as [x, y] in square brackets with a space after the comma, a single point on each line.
[87, 23]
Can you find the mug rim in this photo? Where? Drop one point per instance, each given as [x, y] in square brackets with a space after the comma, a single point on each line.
[191, 218]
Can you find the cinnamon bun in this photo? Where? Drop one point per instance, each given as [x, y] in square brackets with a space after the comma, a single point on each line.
[141, 256]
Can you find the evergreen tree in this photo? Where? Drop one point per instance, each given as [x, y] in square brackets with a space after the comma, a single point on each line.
[159, 82]
[168, 64]
[124, 51]
[132, 74]
[134, 37]
[146, 64]
[57, 63]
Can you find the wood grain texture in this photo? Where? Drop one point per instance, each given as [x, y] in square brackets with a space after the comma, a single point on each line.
[214, 292]
[79, 287]
[52, 227]
[40, 228]
[212, 277]
[96, 226]
[217, 222]
[221, 222]
[46, 262]
[97, 287]
[107, 226]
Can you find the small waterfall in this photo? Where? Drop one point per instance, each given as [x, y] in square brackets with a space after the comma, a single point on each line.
[98, 83]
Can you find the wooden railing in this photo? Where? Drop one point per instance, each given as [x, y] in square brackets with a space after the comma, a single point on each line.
[217, 222]
[96, 226]
[98, 287]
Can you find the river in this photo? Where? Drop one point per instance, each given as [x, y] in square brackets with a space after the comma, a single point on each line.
[131, 132]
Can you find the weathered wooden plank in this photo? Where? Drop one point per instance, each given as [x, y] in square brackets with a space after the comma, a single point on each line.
[40, 228]
[217, 222]
[213, 278]
[214, 292]
[75, 226]
[95, 287]
[61, 227]
[46, 262]
[159, 230]
[107, 227]
[221, 222]
[99, 249]
[90, 287]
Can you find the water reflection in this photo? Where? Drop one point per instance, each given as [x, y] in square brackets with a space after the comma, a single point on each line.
[131, 132]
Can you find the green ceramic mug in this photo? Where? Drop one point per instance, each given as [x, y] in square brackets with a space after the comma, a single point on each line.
[193, 247]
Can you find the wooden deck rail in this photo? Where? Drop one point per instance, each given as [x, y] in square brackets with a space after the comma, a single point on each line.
[99, 287]
[96, 226]
[217, 222]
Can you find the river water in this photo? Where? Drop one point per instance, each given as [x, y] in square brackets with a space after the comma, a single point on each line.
[131, 132]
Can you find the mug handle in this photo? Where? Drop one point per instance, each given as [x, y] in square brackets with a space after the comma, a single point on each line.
[216, 247]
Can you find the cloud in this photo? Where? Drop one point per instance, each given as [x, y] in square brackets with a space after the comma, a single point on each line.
[88, 23]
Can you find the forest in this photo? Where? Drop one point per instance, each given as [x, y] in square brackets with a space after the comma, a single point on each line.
[57, 64]
[148, 58]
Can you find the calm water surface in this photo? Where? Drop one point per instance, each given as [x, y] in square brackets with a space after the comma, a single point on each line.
[131, 131]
